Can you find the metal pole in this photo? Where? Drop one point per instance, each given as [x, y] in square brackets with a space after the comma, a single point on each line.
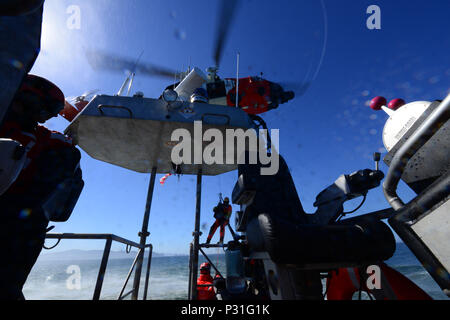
[101, 272]
[131, 83]
[401, 158]
[129, 275]
[124, 85]
[196, 235]
[147, 276]
[210, 262]
[144, 234]
[191, 251]
[233, 234]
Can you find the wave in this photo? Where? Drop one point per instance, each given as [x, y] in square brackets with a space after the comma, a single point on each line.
[168, 277]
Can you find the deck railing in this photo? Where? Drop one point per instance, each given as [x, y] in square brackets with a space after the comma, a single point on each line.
[101, 273]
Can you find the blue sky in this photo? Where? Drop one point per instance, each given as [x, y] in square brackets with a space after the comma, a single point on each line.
[323, 134]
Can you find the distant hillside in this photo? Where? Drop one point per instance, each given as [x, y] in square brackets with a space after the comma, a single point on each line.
[91, 255]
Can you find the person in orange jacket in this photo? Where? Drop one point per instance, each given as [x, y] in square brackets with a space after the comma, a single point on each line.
[205, 292]
[222, 213]
[51, 158]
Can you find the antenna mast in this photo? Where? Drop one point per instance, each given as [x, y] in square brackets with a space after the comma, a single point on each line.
[131, 83]
[130, 79]
[125, 83]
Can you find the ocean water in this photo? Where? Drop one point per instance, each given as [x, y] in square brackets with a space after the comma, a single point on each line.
[51, 279]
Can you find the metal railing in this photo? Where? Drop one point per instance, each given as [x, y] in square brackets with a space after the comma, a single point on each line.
[102, 270]
[400, 161]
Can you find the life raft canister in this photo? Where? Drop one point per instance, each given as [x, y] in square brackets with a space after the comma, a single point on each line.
[345, 282]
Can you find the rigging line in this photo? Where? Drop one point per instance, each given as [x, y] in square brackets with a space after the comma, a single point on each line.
[217, 260]
[220, 187]
[325, 40]
[324, 47]
[357, 208]
[137, 62]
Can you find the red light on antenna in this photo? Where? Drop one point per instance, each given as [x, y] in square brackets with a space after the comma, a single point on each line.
[377, 103]
[396, 103]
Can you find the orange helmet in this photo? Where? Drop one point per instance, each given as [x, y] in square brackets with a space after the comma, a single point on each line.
[205, 268]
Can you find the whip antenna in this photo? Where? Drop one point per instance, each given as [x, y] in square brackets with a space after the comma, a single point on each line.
[237, 81]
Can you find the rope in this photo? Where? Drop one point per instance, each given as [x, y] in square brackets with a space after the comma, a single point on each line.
[217, 260]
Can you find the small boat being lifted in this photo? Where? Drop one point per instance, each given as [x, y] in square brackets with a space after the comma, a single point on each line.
[135, 132]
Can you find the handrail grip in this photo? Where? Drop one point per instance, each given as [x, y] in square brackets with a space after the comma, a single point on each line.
[100, 109]
[92, 236]
[217, 115]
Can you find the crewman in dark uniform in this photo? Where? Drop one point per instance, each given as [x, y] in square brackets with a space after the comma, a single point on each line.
[51, 160]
